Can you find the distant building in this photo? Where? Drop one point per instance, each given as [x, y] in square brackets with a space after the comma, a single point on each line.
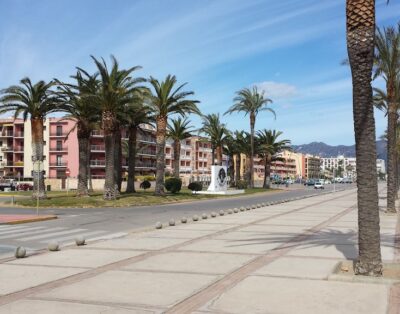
[380, 166]
[341, 166]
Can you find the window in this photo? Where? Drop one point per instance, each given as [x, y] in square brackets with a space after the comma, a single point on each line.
[59, 130]
[59, 145]
[59, 160]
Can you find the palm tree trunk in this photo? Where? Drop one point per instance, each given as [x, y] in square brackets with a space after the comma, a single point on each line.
[391, 149]
[231, 171]
[83, 145]
[247, 175]
[37, 128]
[108, 121]
[177, 157]
[118, 159]
[219, 155]
[212, 155]
[252, 123]
[132, 142]
[89, 170]
[161, 123]
[360, 23]
[237, 172]
[267, 172]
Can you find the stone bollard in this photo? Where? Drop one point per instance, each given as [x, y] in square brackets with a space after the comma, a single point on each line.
[53, 246]
[172, 222]
[235, 210]
[204, 216]
[242, 209]
[213, 214]
[253, 206]
[230, 211]
[183, 220]
[248, 207]
[195, 218]
[158, 225]
[221, 212]
[80, 240]
[20, 252]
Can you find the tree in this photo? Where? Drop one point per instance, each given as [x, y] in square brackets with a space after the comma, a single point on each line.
[244, 143]
[116, 89]
[75, 102]
[360, 28]
[232, 149]
[251, 102]
[268, 146]
[178, 130]
[387, 65]
[34, 102]
[217, 133]
[165, 101]
[136, 114]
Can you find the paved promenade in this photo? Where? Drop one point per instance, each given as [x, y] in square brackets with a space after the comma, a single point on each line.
[274, 259]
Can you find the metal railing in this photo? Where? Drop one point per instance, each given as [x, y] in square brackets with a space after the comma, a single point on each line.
[98, 163]
[100, 148]
[58, 148]
[58, 164]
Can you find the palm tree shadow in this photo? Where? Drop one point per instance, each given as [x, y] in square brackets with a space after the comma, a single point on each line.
[344, 242]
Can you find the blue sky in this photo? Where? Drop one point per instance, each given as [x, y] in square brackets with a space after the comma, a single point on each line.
[292, 49]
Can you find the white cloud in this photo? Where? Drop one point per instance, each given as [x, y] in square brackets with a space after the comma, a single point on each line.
[277, 91]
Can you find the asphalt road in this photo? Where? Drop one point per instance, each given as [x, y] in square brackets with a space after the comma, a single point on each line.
[113, 222]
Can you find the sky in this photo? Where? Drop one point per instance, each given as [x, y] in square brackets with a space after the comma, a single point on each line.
[291, 49]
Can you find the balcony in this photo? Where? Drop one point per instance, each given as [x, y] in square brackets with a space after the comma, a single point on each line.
[59, 164]
[147, 139]
[58, 149]
[97, 163]
[58, 134]
[18, 149]
[97, 148]
[7, 134]
[143, 165]
[185, 157]
[7, 149]
[6, 164]
[19, 134]
[18, 163]
[97, 133]
[147, 152]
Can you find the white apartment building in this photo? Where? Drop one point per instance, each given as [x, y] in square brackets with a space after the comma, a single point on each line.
[347, 165]
[380, 166]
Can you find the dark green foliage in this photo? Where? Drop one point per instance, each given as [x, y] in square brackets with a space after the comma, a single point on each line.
[242, 184]
[195, 186]
[173, 185]
[145, 185]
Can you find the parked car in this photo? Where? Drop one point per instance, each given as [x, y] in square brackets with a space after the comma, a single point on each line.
[309, 182]
[24, 187]
[319, 185]
[328, 181]
[7, 184]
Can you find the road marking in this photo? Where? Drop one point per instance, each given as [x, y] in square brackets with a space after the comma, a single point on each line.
[52, 235]
[19, 230]
[25, 233]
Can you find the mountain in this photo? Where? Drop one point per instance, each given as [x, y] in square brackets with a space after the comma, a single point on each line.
[324, 150]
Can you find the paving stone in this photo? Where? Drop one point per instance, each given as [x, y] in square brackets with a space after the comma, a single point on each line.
[258, 294]
[331, 251]
[129, 287]
[206, 226]
[52, 307]
[211, 263]
[139, 243]
[19, 277]
[274, 228]
[179, 233]
[299, 267]
[78, 258]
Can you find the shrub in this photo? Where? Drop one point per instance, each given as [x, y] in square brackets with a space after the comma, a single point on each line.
[195, 186]
[145, 185]
[242, 184]
[173, 185]
[149, 178]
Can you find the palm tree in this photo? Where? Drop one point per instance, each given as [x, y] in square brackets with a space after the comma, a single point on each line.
[269, 146]
[136, 115]
[167, 100]
[178, 131]
[34, 102]
[243, 139]
[232, 149]
[76, 103]
[387, 65]
[217, 133]
[251, 102]
[116, 89]
[236, 136]
[360, 27]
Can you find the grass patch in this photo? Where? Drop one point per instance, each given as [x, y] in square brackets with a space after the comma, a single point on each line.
[140, 198]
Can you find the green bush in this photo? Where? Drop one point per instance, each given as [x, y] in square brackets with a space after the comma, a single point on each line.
[145, 185]
[242, 184]
[195, 186]
[149, 178]
[173, 185]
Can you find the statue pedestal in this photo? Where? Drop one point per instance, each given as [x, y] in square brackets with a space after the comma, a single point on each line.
[219, 182]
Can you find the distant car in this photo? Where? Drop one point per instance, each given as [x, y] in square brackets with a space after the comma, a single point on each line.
[289, 181]
[319, 185]
[327, 181]
[24, 187]
[309, 182]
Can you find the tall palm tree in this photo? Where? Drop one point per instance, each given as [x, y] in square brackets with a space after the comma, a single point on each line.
[251, 102]
[166, 100]
[231, 149]
[33, 101]
[360, 27]
[76, 104]
[116, 89]
[387, 65]
[243, 139]
[178, 130]
[136, 115]
[217, 133]
[237, 135]
[268, 146]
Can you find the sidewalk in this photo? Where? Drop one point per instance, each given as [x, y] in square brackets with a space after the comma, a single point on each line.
[273, 259]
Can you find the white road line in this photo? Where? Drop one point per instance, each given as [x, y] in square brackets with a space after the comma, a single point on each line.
[86, 235]
[6, 228]
[51, 235]
[26, 233]
[20, 230]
